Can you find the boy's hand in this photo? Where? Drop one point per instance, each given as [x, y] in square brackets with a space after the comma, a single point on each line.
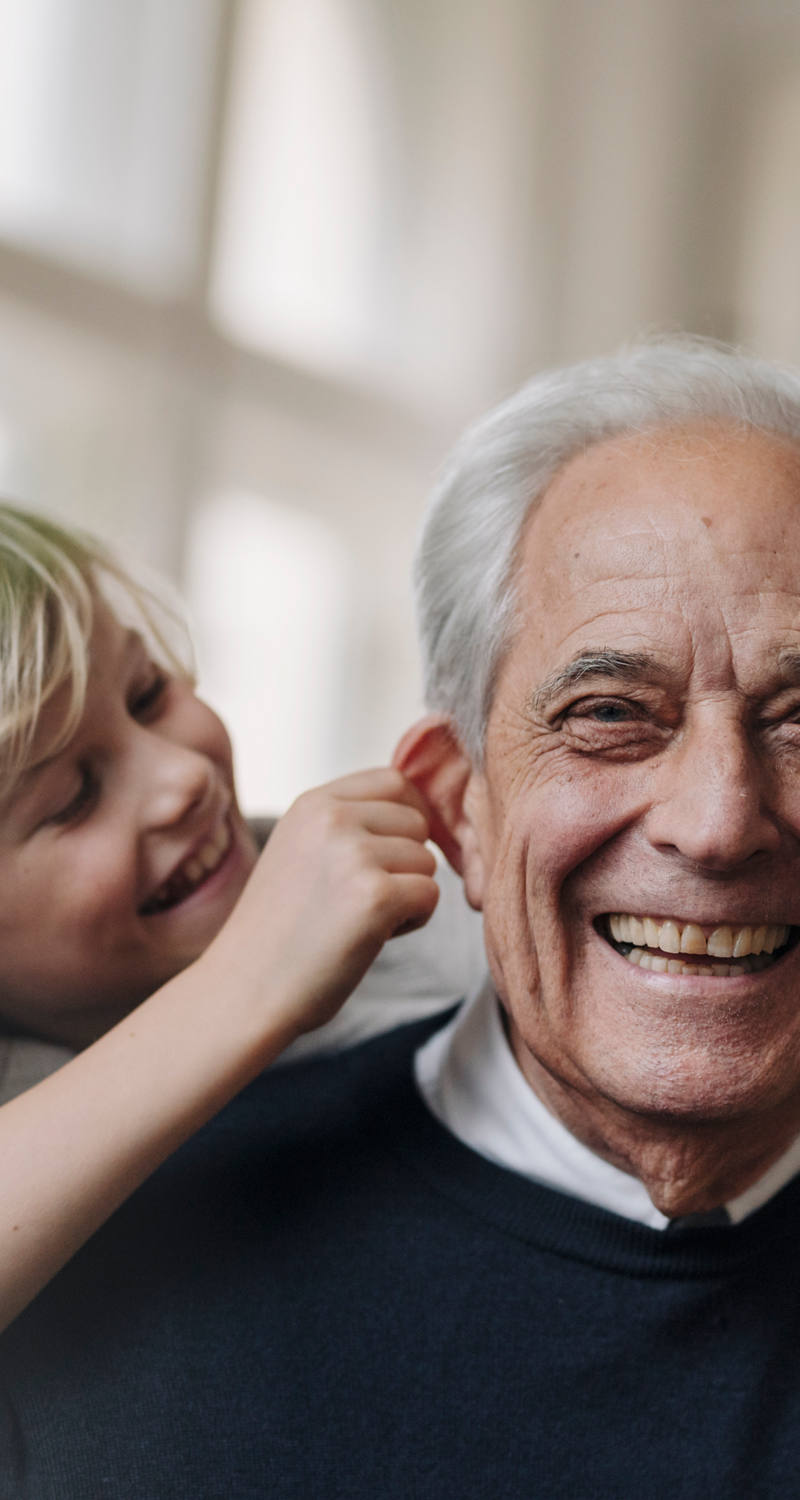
[345, 869]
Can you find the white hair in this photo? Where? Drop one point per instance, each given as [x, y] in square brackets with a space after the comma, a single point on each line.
[464, 569]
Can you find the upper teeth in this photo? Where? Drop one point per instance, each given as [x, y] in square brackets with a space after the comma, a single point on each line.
[207, 856]
[689, 937]
[194, 869]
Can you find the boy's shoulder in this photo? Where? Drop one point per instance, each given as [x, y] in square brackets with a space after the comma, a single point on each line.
[25, 1061]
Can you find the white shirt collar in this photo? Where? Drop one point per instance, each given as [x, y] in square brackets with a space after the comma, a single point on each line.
[469, 1077]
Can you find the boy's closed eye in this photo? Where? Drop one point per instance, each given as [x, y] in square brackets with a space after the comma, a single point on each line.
[146, 698]
[143, 703]
[80, 801]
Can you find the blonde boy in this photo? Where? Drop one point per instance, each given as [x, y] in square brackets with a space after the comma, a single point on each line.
[139, 923]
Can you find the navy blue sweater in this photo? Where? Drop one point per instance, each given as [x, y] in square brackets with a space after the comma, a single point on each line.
[324, 1296]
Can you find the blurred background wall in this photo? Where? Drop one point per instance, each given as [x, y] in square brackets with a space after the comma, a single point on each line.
[260, 260]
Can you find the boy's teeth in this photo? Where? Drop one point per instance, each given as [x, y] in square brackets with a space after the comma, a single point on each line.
[670, 937]
[192, 871]
[208, 857]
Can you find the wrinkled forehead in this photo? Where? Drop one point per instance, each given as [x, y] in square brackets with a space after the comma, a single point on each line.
[685, 534]
[663, 481]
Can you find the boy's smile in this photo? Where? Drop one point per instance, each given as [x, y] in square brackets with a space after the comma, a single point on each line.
[192, 872]
[121, 855]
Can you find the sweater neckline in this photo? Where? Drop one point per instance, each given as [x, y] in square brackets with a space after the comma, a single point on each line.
[469, 1078]
[542, 1216]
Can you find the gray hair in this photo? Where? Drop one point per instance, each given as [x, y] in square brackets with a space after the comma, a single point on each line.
[499, 471]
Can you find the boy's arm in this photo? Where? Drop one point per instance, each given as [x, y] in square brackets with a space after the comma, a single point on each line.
[344, 870]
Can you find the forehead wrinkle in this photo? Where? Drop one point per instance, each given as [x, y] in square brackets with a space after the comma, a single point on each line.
[620, 666]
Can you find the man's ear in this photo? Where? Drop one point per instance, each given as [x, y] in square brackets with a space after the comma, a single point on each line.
[431, 756]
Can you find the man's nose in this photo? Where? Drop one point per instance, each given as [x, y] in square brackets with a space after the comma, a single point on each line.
[712, 799]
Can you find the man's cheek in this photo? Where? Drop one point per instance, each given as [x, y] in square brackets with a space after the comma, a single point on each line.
[511, 922]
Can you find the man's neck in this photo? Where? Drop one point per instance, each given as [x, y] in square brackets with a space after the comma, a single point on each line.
[687, 1166]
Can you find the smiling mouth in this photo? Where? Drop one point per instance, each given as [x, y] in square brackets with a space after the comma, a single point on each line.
[674, 947]
[193, 873]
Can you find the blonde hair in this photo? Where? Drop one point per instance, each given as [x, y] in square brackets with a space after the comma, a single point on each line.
[51, 579]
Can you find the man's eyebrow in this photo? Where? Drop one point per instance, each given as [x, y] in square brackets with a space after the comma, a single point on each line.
[621, 666]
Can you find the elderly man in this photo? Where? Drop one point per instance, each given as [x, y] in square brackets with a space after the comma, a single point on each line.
[547, 1248]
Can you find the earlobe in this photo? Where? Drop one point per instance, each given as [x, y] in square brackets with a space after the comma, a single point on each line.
[431, 756]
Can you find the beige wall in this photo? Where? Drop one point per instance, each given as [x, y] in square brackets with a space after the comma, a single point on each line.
[541, 180]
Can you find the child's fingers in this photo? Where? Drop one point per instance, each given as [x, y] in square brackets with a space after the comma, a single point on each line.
[391, 818]
[326, 809]
[402, 856]
[415, 902]
[381, 783]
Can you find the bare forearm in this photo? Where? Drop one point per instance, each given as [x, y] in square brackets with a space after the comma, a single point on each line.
[75, 1146]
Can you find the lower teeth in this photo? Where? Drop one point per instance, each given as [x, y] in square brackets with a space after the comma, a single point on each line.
[659, 964]
[172, 895]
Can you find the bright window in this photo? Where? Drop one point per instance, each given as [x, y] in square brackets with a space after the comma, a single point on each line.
[103, 121]
[298, 211]
[268, 596]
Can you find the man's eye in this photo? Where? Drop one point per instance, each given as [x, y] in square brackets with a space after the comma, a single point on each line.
[620, 728]
[604, 710]
[80, 802]
[148, 697]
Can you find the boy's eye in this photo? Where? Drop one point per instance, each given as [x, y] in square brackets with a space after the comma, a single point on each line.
[80, 802]
[147, 697]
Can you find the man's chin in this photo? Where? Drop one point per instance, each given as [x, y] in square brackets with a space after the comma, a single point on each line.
[652, 1085]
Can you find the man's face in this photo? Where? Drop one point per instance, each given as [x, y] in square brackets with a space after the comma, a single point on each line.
[122, 855]
[642, 780]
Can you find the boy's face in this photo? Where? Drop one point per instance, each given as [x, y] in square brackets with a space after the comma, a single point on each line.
[122, 855]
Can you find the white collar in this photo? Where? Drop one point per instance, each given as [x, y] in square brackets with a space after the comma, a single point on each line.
[469, 1077]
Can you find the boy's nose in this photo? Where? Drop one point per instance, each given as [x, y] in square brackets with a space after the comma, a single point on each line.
[181, 784]
[712, 799]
